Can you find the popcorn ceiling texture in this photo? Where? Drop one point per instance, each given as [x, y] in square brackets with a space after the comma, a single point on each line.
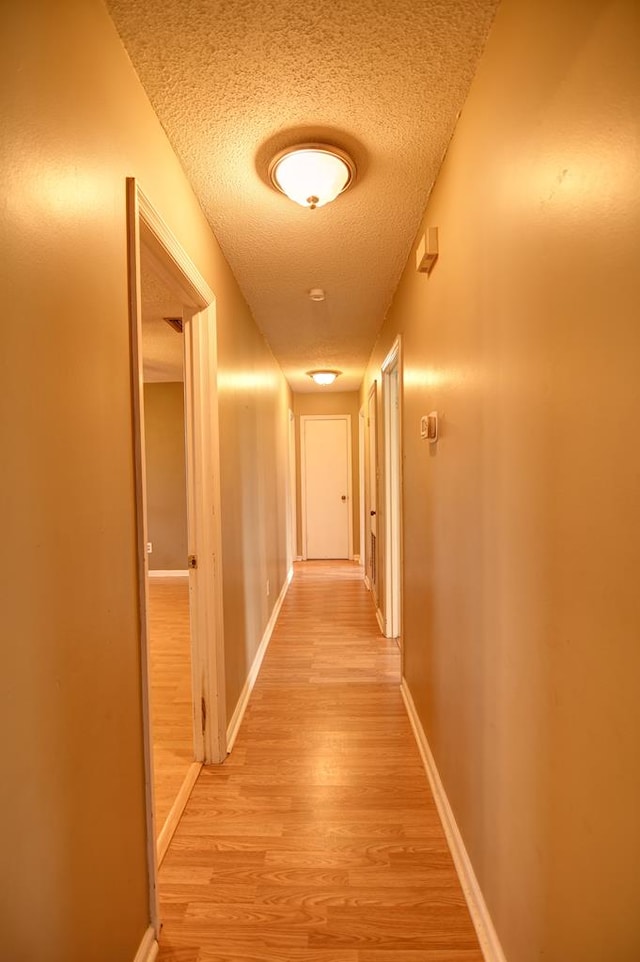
[230, 78]
[162, 347]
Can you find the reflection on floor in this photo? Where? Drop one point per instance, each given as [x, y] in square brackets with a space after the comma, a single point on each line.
[318, 839]
[171, 704]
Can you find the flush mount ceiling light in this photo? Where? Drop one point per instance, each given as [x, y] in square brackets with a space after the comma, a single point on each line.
[324, 377]
[312, 174]
[316, 294]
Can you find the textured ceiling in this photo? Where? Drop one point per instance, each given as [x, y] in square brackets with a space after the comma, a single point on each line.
[162, 347]
[233, 81]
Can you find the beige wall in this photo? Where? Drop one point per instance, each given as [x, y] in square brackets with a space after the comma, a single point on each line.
[254, 406]
[331, 402]
[164, 436]
[522, 528]
[75, 124]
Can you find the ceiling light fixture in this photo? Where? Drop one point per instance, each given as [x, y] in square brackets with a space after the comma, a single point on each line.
[312, 174]
[324, 377]
[316, 294]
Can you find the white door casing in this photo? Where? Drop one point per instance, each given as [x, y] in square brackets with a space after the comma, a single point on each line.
[292, 537]
[325, 465]
[391, 396]
[145, 227]
[362, 527]
[371, 518]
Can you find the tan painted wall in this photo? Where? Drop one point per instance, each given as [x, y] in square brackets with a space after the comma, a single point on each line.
[336, 402]
[164, 435]
[254, 408]
[522, 550]
[75, 123]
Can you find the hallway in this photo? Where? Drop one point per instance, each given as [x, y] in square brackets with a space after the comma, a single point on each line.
[318, 840]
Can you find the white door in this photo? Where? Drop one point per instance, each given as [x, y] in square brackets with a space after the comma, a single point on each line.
[326, 485]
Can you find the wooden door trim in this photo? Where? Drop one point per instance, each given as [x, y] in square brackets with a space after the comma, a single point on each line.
[303, 487]
[392, 507]
[292, 507]
[135, 332]
[372, 468]
[362, 523]
[205, 537]
[175, 814]
[146, 228]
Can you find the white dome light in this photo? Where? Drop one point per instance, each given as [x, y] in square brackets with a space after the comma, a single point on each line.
[312, 174]
[323, 377]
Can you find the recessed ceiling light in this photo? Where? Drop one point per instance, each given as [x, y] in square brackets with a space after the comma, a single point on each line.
[324, 377]
[312, 174]
[316, 294]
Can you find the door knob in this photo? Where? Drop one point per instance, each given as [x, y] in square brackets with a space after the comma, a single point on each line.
[344, 497]
[372, 513]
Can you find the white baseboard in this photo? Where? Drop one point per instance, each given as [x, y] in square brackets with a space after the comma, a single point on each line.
[236, 719]
[356, 558]
[169, 577]
[380, 620]
[367, 582]
[487, 935]
[299, 558]
[148, 949]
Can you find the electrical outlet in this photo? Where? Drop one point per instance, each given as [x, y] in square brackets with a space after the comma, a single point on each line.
[149, 547]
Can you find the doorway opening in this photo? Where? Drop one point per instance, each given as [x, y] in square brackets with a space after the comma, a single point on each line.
[169, 618]
[158, 262]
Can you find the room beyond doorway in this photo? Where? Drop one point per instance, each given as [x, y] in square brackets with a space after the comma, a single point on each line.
[166, 499]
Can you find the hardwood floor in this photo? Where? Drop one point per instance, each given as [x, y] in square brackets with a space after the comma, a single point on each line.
[318, 839]
[171, 704]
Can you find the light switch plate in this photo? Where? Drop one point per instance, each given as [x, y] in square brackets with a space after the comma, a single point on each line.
[427, 252]
[429, 427]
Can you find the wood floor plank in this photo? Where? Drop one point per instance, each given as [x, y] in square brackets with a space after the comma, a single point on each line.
[170, 693]
[421, 955]
[232, 954]
[318, 840]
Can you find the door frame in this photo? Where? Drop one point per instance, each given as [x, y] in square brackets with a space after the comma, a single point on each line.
[372, 566]
[303, 492]
[145, 228]
[362, 430]
[392, 550]
[292, 527]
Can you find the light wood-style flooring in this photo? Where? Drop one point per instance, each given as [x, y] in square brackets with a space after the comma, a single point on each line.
[318, 839]
[170, 694]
